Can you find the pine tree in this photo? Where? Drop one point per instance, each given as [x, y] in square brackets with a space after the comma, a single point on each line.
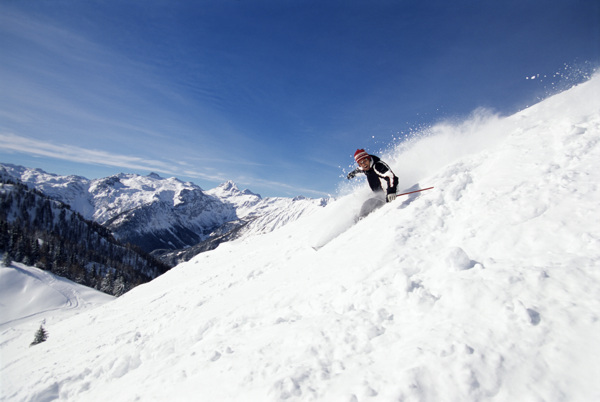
[6, 259]
[40, 336]
[118, 286]
[106, 285]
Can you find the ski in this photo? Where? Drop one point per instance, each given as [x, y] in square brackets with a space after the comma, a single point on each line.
[371, 205]
[416, 191]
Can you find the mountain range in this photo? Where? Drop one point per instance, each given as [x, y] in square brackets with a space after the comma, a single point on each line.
[169, 218]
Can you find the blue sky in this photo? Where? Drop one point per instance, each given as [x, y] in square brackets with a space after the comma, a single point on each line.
[274, 95]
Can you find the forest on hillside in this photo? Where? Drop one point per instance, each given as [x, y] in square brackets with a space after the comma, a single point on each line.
[38, 231]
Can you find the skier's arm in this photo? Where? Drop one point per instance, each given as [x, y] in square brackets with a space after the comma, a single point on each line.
[354, 173]
[383, 171]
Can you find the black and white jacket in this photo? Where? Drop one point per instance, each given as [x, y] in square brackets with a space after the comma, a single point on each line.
[380, 176]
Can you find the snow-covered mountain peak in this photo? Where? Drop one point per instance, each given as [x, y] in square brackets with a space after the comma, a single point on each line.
[230, 189]
[155, 176]
[128, 191]
[228, 186]
[229, 193]
[33, 176]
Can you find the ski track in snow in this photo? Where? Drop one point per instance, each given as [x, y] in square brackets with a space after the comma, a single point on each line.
[67, 293]
[57, 294]
[484, 289]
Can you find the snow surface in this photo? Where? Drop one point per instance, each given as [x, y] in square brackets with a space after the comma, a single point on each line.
[30, 297]
[31, 294]
[486, 288]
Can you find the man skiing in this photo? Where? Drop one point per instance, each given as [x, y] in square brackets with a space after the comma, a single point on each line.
[379, 175]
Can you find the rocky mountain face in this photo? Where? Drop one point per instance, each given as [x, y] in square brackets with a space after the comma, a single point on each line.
[164, 216]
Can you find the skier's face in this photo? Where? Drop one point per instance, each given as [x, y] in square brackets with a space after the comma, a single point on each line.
[365, 164]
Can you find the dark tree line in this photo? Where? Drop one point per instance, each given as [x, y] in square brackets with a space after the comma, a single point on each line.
[45, 233]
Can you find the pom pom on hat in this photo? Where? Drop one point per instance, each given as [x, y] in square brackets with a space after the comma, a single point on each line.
[360, 154]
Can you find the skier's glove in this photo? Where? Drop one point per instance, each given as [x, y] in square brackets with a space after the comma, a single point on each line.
[391, 197]
[351, 175]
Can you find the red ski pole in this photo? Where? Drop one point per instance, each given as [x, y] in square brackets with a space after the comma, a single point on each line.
[416, 191]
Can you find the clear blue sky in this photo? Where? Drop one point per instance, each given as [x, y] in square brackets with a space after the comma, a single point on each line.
[274, 95]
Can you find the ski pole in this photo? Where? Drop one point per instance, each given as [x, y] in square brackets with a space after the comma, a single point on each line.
[416, 191]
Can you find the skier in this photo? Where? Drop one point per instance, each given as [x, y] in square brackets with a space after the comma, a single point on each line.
[379, 175]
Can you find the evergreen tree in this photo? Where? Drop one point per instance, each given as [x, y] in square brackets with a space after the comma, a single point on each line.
[118, 286]
[40, 336]
[6, 259]
[106, 285]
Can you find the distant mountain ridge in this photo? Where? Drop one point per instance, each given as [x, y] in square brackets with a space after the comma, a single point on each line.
[162, 215]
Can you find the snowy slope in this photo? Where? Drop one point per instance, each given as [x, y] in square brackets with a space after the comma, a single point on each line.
[486, 288]
[31, 294]
[30, 297]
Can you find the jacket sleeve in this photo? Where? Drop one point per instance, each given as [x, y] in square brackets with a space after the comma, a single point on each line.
[386, 175]
[354, 173]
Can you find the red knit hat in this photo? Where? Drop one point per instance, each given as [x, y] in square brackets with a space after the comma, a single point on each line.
[360, 154]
